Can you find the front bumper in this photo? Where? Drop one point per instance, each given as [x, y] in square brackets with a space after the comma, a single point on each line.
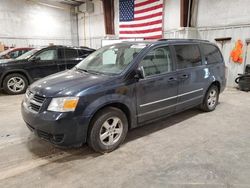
[63, 129]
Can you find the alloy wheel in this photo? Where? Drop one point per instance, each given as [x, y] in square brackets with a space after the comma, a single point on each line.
[16, 84]
[212, 99]
[111, 131]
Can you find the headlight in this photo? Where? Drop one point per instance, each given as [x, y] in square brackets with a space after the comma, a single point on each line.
[63, 104]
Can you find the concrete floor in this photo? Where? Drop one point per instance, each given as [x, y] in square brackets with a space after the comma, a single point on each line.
[191, 149]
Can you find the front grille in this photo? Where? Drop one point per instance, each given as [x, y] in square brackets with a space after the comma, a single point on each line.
[34, 101]
[35, 107]
[39, 99]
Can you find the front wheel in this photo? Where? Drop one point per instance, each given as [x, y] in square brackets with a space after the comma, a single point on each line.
[108, 130]
[14, 84]
[211, 99]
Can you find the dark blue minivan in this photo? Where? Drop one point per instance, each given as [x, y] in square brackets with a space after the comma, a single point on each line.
[123, 86]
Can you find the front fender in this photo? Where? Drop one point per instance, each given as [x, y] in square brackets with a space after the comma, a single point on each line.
[107, 100]
[10, 71]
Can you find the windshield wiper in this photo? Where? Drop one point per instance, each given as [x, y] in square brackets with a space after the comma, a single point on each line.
[88, 71]
[94, 72]
[82, 70]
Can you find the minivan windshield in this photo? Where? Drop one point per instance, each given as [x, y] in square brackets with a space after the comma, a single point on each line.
[111, 59]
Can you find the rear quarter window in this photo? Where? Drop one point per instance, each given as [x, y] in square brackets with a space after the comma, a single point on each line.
[187, 55]
[83, 53]
[212, 54]
[70, 53]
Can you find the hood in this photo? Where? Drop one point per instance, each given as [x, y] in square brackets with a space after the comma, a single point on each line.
[8, 62]
[5, 60]
[67, 83]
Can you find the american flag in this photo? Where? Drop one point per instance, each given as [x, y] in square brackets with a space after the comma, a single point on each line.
[141, 19]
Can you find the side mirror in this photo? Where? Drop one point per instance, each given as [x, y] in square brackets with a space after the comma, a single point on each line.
[139, 73]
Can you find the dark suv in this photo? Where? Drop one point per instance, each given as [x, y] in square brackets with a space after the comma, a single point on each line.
[15, 75]
[122, 86]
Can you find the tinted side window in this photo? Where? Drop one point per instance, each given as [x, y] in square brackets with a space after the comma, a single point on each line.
[21, 52]
[129, 55]
[13, 54]
[212, 54]
[83, 53]
[157, 61]
[187, 56]
[60, 53]
[70, 53]
[48, 55]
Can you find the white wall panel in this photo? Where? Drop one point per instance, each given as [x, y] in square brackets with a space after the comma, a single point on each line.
[236, 33]
[92, 27]
[25, 23]
[171, 14]
[116, 5]
[223, 12]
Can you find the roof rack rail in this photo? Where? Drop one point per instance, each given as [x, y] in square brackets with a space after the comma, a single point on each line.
[182, 39]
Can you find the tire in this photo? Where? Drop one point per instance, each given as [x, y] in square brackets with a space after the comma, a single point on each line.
[211, 99]
[14, 84]
[107, 124]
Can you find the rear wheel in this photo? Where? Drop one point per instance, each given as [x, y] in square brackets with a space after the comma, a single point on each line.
[108, 130]
[211, 99]
[14, 84]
